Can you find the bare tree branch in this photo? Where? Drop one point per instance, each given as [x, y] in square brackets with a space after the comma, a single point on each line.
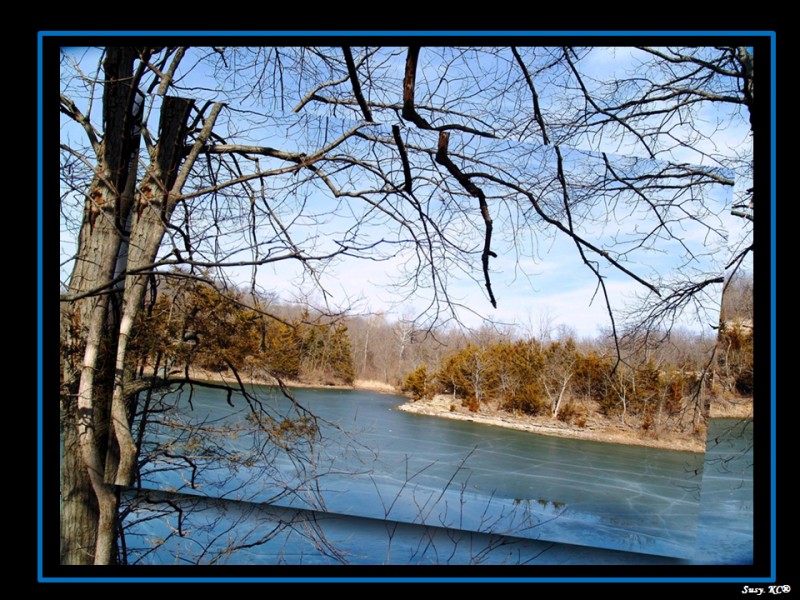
[408, 188]
[68, 108]
[351, 71]
[474, 190]
[537, 113]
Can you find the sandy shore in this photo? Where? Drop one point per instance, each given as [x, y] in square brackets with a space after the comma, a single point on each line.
[228, 378]
[439, 406]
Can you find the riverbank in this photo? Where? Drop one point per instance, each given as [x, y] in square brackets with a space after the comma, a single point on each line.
[249, 379]
[444, 406]
[607, 431]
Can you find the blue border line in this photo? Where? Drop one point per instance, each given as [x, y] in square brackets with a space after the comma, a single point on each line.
[773, 294]
[396, 579]
[390, 33]
[39, 307]
[773, 308]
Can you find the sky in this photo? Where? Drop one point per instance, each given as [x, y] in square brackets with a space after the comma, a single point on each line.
[544, 283]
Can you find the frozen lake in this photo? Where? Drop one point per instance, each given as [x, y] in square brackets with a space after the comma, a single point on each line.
[456, 485]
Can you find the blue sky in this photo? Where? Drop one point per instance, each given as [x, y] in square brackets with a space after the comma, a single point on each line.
[537, 275]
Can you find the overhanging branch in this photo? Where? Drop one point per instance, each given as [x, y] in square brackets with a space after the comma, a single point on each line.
[537, 113]
[351, 71]
[473, 190]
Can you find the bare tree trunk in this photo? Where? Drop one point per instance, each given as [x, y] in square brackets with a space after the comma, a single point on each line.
[624, 407]
[87, 404]
[79, 511]
[79, 505]
[85, 499]
[557, 404]
[98, 260]
[366, 351]
[155, 204]
[89, 499]
[89, 441]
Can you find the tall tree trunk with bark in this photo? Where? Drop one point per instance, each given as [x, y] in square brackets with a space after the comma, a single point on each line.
[88, 374]
[99, 451]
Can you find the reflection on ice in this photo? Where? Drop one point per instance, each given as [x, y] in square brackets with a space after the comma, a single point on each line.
[384, 464]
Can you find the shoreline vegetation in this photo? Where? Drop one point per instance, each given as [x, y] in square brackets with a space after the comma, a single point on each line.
[442, 405]
[605, 431]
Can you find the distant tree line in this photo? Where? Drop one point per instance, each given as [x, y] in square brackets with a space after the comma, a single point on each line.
[194, 325]
[199, 324]
[663, 382]
[560, 380]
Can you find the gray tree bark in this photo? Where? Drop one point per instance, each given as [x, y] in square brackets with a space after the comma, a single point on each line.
[86, 382]
[99, 450]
